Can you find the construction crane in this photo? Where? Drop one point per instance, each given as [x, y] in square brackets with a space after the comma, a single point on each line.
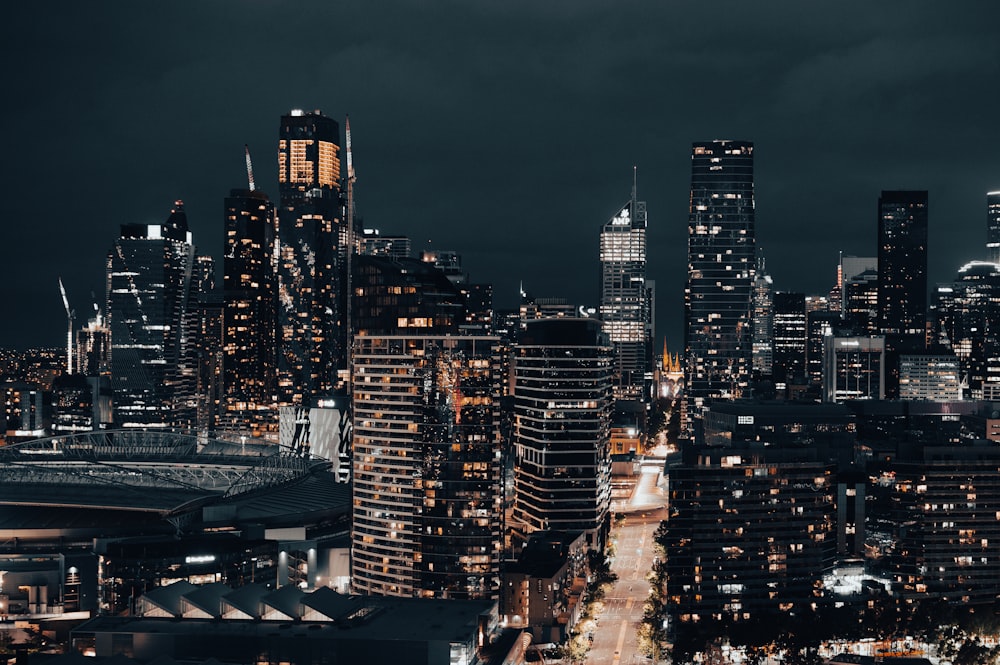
[70, 317]
[351, 178]
[246, 149]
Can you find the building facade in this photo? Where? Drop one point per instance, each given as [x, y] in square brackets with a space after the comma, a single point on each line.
[902, 263]
[562, 409]
[718, 296]
[249, 361]
[624, 308]
[312, 263]
[149, 273]
[426, 467]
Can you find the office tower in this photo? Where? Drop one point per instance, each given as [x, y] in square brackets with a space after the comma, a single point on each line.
[624, 307]
[859, 292]
[819, 325]
[426, 466]
[718, 297]
[312, 259]
[763, 319]
[149, 280]
[927, 376]
[249, 360]
[853, 368]
[790, 337]
[966, 310]
[563, 372]
[902, 263]
[993, 225]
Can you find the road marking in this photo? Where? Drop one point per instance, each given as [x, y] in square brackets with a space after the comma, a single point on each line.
[621, 641]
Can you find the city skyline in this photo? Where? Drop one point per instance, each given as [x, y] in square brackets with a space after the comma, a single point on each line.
[477, 137]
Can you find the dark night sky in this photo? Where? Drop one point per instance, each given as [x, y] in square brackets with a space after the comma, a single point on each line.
[504, 130]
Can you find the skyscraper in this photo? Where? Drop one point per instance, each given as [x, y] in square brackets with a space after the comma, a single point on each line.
[312, 285]
[149, 280]
[426, 462]
[763, 320]
[993, 225]
[625, 308]
[250, 295]
[718, 296]
[790, 337]
[902, 262]
[562, 411]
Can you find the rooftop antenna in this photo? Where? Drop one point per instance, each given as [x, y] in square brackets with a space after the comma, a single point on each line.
[70, 316]
[246, 149]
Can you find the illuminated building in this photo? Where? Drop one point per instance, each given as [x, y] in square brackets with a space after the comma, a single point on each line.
[853, 368]
[763, 320]
[373, 243]
[447, 261]
[426, 466]
[93, 348]
[929, 376]
[752, 528]
[820, 324]
[625, 308]
[718, 296]
[562, 408]
[404, 296]
[966, 310]
[902, 262]
[149, 281]
[943, 503]
[859, 292]
[993, 225]
[789, 337]
[249, 359]
[312, 258]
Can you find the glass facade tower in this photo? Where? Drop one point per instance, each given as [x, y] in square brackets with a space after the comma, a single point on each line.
[312, 265]
[625, 308]
[902, 262]
[562, 412]
[149, 285]
[718, 296]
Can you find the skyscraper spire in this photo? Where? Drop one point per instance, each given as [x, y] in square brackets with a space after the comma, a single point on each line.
[246, 148]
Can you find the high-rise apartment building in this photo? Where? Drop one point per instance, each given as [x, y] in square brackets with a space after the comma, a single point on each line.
[249, 359]
[312, 259]
[426, 466]
[902, 263]
[625, 308]
[752, 529]
[562, 410]
[149, 281]
[718, 296]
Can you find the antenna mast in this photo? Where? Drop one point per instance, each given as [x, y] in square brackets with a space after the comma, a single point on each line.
[246, 149]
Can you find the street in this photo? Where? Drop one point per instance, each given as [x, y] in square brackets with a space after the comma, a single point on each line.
[620, 614]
